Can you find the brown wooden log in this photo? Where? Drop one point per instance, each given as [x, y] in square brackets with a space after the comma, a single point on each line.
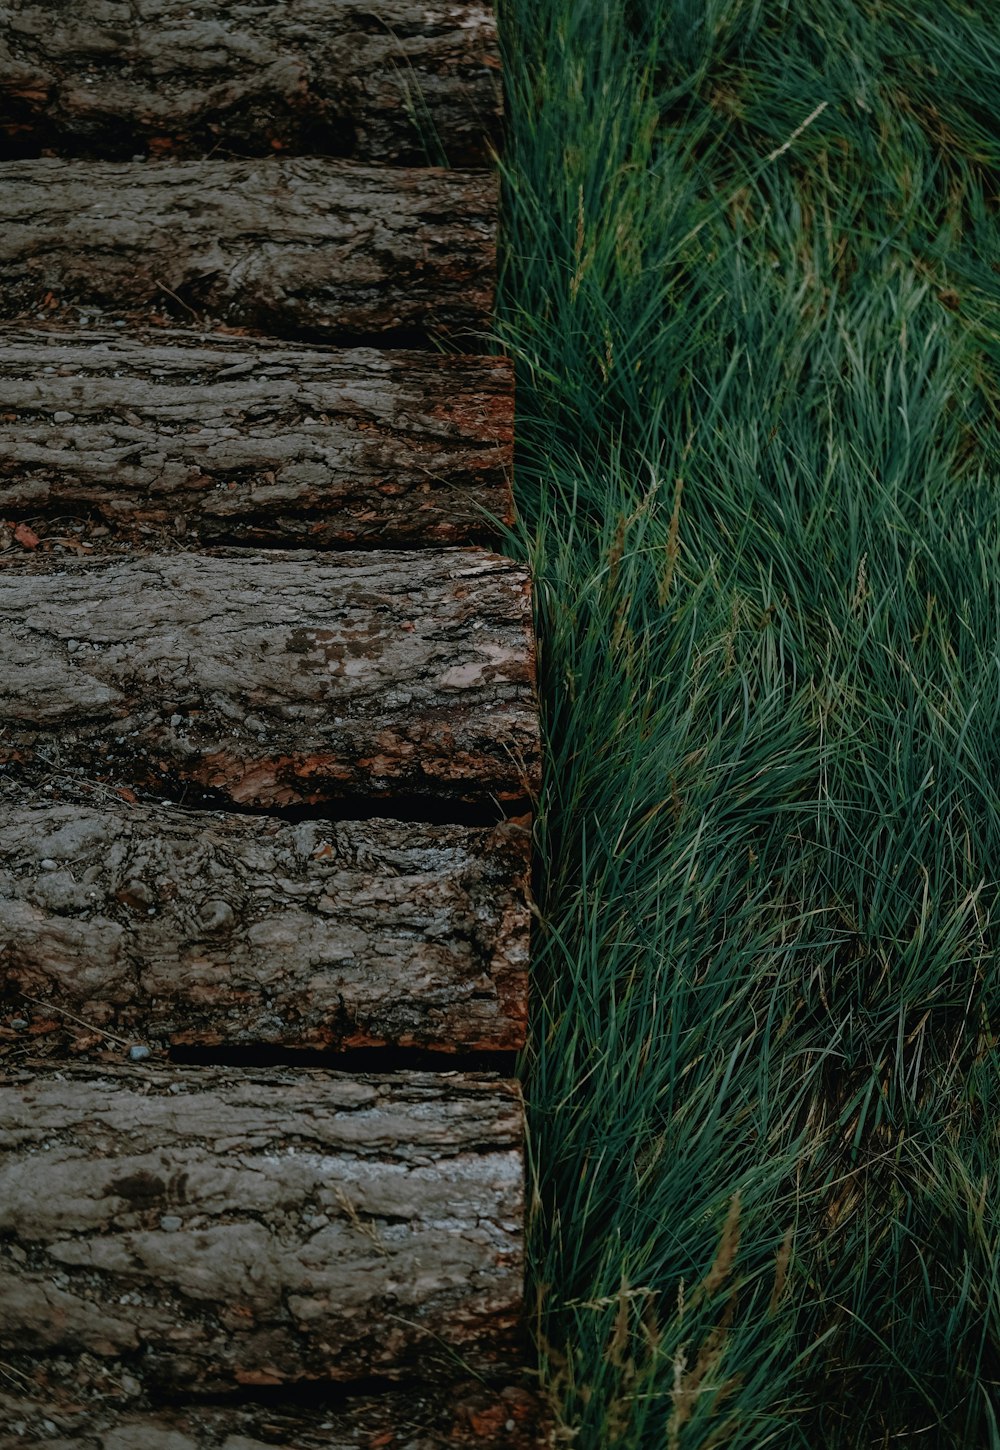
[466, 1416]
[206, 1229]
[323, 249]
[217, 440]
[391, 81]
[183, 927]
[274, 679]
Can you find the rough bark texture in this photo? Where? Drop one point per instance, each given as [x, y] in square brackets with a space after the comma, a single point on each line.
[325, 249]
[218, 440]
[208, 1229]
[176, 926]
[387, 81]
[274, 679]
[469, 1415]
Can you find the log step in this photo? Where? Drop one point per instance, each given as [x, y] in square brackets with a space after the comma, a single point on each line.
[323, 249]
[258, 799]
[218, 439]
[274, 679]
[392, 81]
[205, 1229]
[466, 1416]
[154, 925]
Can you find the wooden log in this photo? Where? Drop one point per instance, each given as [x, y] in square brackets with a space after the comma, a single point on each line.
[208, 1229]
[183, 927]
[217, 440]
[395, 81]
[318, 248]
[465, 1416]
[274, 679]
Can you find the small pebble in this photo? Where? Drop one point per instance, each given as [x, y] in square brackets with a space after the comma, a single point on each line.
[47, 864]
[72, 645]
[62, 417]
[139, 1053]
[18, 1023]
[510, 1426]
[176, 720]
[170, 1223]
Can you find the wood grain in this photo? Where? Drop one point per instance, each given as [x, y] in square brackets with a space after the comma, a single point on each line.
[215, 439]
[274, 679]
[209, 1229]
[391, 81]
[464, 1416]
[309, 247]
[187, 927]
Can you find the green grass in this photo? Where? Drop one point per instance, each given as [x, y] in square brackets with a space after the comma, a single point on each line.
[751, 284]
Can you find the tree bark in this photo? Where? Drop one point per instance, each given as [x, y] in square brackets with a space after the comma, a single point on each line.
[201, 1230]
[214, 440]
[466, 1416]
[274, 679]
[395, 81]
[322, 249]
[181, 927]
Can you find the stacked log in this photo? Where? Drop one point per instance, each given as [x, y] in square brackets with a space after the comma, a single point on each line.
[469, 1415]
[274, 679]
[248, 1228]
[310, 247]
[395, 82]
[217, 440]
[268, 735]
[129, 921]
